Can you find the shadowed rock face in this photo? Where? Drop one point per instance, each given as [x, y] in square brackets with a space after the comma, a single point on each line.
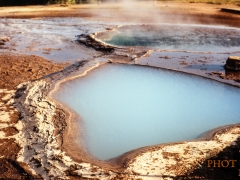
[233, 63]
[22, 2]
[208, 171]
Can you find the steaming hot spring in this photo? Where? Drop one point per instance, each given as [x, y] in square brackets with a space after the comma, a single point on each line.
[124, 107]
[175, 37]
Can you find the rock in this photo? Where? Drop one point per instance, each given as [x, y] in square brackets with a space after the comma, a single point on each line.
[133, 57]
[64, 4]
[82, 39]
[4, 39]
[233, 63]
[109, 29]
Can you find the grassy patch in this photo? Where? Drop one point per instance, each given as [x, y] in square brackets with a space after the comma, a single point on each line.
[237, 2]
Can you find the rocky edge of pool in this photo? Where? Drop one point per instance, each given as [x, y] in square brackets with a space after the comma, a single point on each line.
[47, 131]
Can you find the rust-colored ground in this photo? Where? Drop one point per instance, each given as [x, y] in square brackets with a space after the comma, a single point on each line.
[14, 70]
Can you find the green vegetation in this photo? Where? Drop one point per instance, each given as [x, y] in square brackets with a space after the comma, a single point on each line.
[71, 1]
[21, 2]
[42, 2]
[214, 1]
[237, 2]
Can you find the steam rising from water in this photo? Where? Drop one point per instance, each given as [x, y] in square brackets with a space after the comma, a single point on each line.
[176, 37]
[130, 11]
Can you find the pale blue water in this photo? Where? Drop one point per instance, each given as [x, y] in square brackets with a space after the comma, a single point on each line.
[176, 37]
[125, 107]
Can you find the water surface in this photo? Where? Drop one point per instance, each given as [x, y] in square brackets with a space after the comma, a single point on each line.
[126, 107]
[176, 37]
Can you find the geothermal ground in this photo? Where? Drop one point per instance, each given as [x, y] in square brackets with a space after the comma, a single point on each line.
[40, 47]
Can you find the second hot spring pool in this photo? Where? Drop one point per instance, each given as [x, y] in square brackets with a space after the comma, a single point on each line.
[200, 38]
[125, 107]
